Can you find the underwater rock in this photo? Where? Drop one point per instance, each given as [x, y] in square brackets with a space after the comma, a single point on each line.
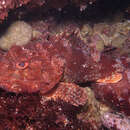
[19, 33]
[7, 5]
[115, 121]
[112, 34]
[31, 111]
[90, 113]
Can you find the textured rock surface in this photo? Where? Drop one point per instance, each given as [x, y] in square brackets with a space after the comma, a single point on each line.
[6, 5]
[115, 121]
[29, 111]
[19, 33]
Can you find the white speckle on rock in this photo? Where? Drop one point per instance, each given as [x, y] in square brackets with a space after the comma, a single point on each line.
[83, 7]
[3, 2]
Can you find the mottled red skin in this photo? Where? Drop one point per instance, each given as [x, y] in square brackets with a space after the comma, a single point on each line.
[29, 69]
[117, 95]
[77, 61]
[107, 66]
[80, 67]
[70, 93]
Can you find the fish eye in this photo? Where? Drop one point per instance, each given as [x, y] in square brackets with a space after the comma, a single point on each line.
[22, 65]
